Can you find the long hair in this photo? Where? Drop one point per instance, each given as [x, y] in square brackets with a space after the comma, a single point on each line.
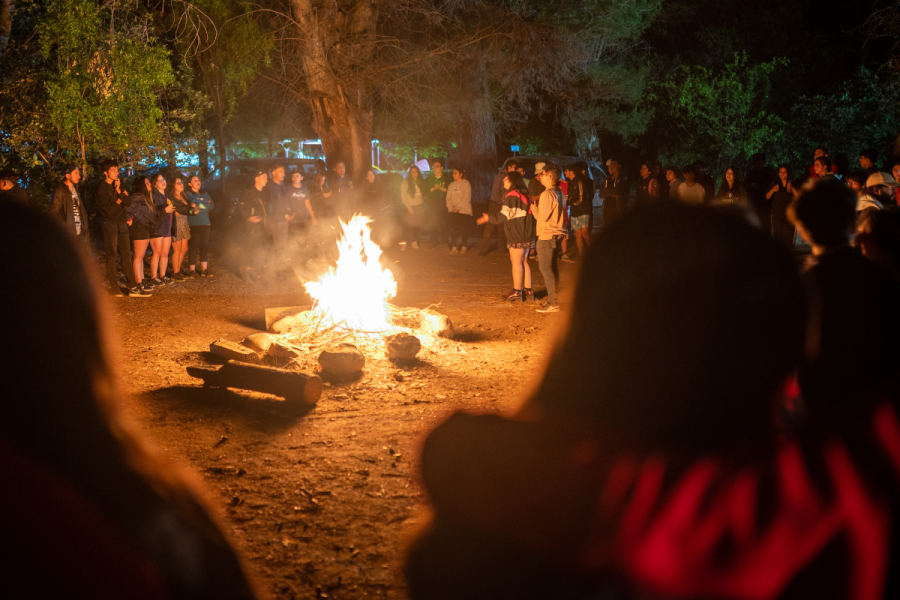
[685, 323]
[517, 183]
[63, 407]
[736, 186]
[139, 187]
[777, 179]
[415, 184]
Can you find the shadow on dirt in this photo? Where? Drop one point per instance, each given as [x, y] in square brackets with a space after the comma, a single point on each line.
[267, 412]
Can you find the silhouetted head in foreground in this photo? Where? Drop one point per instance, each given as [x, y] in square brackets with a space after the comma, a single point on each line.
[685, 324]
[81, 489]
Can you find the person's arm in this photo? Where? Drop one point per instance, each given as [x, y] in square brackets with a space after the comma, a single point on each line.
[57, 208]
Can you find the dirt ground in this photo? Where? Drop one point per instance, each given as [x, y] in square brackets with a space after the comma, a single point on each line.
[322, 506]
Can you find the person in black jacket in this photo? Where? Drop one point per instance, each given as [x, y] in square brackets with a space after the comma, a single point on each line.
[580, 199]
[161, 235]
[142, 220]
[112, 201]
[9, 188]
[253, 213]
[614, 193]
[66, 205]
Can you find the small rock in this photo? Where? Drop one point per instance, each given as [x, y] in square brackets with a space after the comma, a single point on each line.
[436, 323]
[258, 342]
[343, 359]
[402, 346]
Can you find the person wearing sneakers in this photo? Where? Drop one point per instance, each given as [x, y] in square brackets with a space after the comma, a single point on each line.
[141, 221]
[253, 212]
[518, 225]
[550, 225]
[161, 236]
[198, 245]
[182, 234]
[459, 211]
[112, 201]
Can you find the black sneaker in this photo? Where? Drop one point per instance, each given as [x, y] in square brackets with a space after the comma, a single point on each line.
[205, 273]
[178, 277]
[146, 286]
[190, 274]
[157, 281]
[116, 291]
[137, 292]
[167, 280]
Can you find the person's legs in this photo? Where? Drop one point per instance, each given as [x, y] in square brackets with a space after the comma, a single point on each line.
[156, 245]
[179, 249]
[164, 256]
[204, 247]
[546, 251]
[110, 243]
[194, 247]
[516, 256]
[124, 243]
[464, 224]
[140, 249]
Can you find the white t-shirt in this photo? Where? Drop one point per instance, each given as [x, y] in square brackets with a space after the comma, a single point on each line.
[694, 194]
[76, 212]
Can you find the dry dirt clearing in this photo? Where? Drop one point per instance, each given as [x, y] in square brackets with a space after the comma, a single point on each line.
[321, 506]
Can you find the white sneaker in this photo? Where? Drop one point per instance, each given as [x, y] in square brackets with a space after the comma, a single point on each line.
[463, 250]
[402, 246]
[415, 245]
[453, 250]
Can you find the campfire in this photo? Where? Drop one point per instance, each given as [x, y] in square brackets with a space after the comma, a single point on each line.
[350, 321]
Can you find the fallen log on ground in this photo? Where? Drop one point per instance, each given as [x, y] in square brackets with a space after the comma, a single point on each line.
[293, 386]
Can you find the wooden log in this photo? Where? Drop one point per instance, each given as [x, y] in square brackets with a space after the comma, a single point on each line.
[273, 315]
[293, 386]
[233, 351]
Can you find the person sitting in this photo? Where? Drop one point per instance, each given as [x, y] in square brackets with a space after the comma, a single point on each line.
[88, 511]
[672, 485]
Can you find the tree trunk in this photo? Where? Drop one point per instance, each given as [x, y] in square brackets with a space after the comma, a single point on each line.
[203, 156]
[342, 111]
[6, 13]
[478, 148]
[221, 148]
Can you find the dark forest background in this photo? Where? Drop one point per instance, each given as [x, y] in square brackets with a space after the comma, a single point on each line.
[154, 81]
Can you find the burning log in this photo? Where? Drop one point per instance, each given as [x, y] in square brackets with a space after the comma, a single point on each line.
[293, 386]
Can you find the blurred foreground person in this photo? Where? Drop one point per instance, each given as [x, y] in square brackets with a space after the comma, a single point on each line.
[878, 237]
[87, 511]
[645, 464]
[847, 356]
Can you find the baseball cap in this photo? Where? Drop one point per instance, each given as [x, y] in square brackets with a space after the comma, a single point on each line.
[881, 179]
[259, 172]
[539, 168]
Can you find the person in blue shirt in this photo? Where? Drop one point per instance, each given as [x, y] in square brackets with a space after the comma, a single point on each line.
[198, 245]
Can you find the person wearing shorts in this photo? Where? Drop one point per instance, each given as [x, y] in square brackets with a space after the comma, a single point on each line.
[141, 222]
[580, 206]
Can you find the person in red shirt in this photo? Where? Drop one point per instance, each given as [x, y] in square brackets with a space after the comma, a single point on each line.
[660, 474]
[811, 172]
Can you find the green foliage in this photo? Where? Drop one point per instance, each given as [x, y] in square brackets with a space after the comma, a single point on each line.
[860, 114]
[104, 81]
[721, 115]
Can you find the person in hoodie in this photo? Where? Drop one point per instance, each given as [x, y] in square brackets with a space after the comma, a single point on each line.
[610, 483]
[550, 226]
[66, 205]
[254, 214]
[518, 226]
[459, 211]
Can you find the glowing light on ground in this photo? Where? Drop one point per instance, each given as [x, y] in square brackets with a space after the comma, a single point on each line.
[355, 293]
